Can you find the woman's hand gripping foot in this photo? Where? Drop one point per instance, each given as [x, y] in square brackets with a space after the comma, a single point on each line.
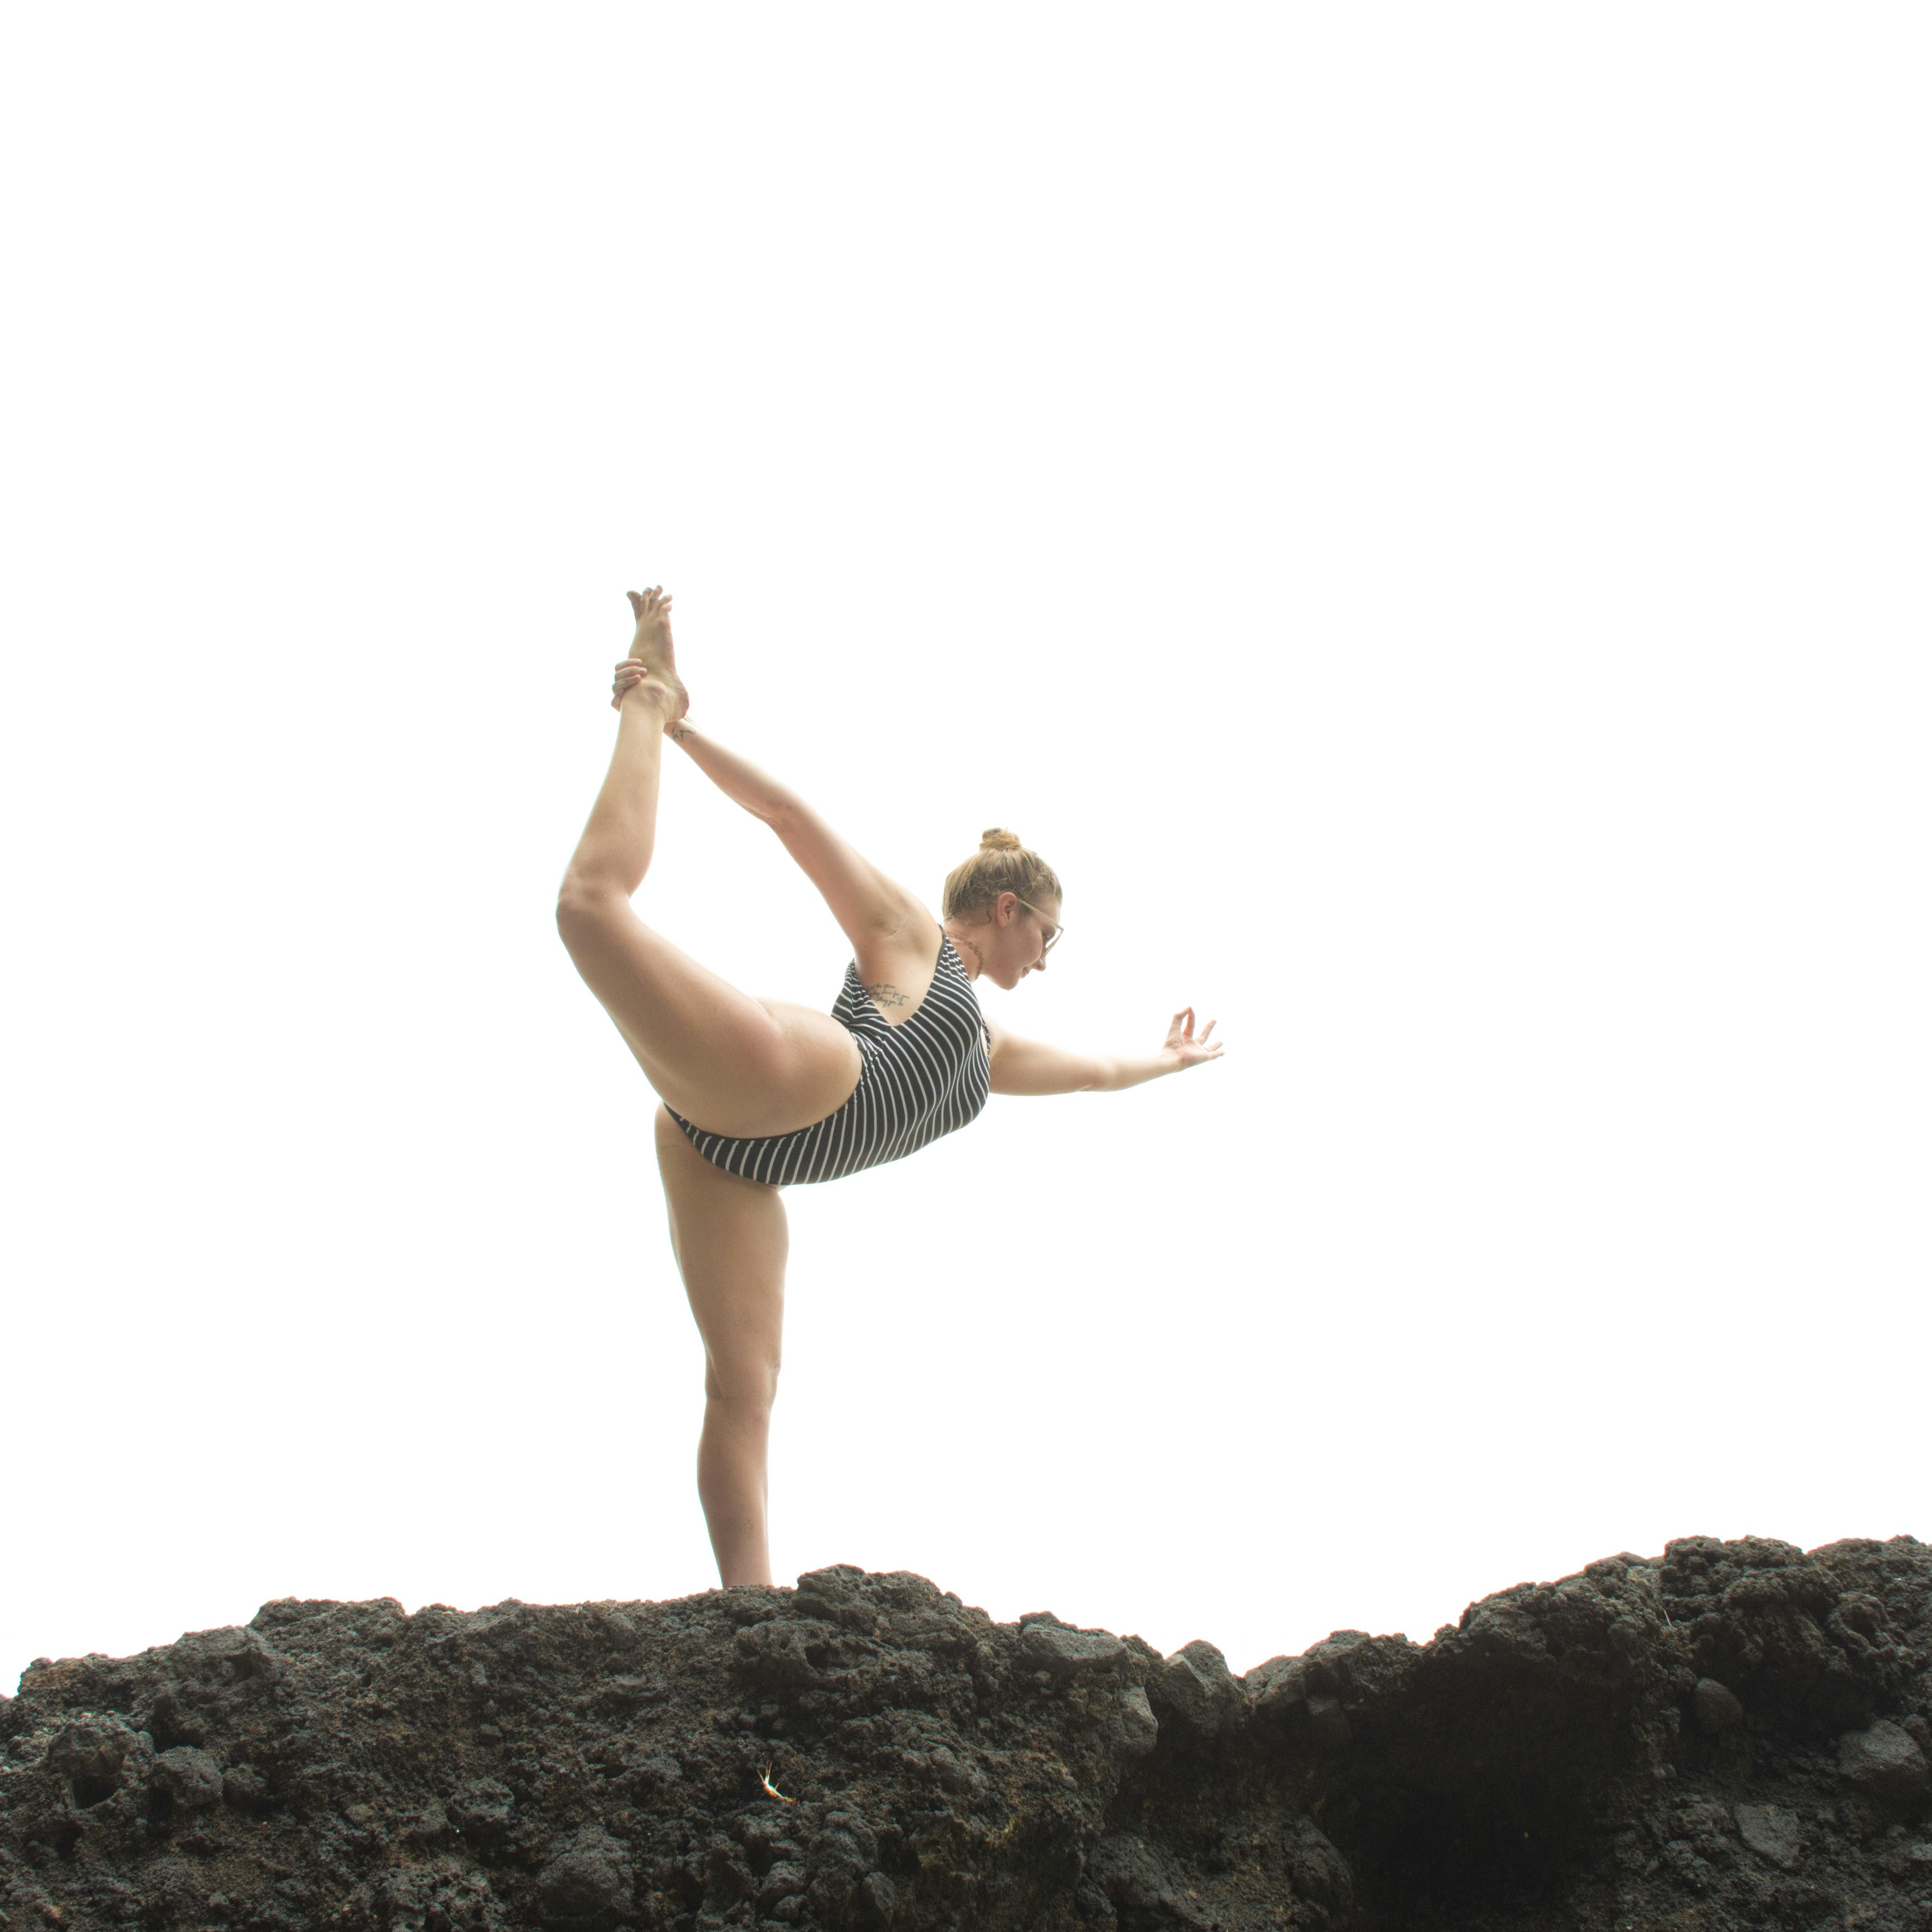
[651, 667]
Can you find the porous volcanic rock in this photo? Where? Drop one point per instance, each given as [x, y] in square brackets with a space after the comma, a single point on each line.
[1730, 1734]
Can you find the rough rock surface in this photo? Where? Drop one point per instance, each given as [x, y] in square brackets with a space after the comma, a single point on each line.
[1733, 1734]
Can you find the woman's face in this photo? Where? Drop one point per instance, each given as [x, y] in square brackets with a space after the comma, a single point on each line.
[1023, 940]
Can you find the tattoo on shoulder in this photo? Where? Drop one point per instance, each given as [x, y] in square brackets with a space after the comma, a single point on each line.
[887, 994]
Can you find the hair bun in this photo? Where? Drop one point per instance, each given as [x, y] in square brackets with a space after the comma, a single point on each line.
[995, 840]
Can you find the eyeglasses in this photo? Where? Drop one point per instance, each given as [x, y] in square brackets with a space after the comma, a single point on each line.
[1053, 938]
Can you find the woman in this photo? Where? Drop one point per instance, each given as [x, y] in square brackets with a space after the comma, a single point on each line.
[759, 1094]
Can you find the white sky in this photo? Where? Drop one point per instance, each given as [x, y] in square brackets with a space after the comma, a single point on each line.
[1419, 513]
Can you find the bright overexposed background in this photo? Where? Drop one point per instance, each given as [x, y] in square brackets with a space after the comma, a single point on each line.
[1419, 514]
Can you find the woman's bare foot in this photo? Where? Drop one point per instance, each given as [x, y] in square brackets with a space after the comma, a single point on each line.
[651, 648]
[652, 645]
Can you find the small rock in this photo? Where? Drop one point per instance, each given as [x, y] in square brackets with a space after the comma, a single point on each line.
[1319, 1871]
[244, 1789]
[430, 1826]
[1771, 1832]
[189, 1776]
[786, 1880]
[653, 1774]
[877, 1901]
[1883, 1762]
[1134, 1724]
[784, 1656]
[1195, 1684]
[90, 1756]
[1715, 1706]
[235, 1654]
[1281, 1692]
[581, 1889]
[480, 1810]
[1131, 1872]
[1066, 1653]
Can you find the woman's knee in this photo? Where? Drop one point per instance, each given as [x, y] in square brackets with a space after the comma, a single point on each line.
[748, 1388]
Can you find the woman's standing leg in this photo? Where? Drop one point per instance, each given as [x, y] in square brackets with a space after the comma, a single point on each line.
[730, 1240]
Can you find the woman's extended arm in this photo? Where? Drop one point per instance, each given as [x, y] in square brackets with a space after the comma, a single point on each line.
[1029, 1066]
[867, 905]
[738, 778]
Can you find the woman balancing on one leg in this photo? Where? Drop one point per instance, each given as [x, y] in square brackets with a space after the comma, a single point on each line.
[759, 1094]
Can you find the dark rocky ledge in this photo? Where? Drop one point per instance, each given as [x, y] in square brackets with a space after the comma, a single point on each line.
[1733, 1734]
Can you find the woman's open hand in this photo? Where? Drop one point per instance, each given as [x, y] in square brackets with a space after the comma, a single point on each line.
[1182, 1045]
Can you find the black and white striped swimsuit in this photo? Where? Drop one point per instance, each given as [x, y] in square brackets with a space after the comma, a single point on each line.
[927, 1076]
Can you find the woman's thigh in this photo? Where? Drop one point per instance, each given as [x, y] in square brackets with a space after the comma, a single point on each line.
[732, 1064]
[731, 1238]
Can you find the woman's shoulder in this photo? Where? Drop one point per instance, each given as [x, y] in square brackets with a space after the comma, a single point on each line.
[897, 969]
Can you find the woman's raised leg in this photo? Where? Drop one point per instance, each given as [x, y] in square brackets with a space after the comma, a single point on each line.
[730, 1063]
[730, 1240]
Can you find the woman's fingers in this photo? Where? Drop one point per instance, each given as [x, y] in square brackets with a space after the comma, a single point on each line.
[626, 674]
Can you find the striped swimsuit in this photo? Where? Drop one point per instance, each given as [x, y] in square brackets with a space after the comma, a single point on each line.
[925, 1077]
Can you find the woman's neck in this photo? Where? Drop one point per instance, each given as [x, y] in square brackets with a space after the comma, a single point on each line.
[970, 957]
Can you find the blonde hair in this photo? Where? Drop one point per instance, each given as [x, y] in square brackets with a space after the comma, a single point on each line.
[1001, 865]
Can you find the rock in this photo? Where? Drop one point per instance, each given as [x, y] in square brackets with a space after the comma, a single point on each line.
[1715, 1706]
[1772, 1831]
[1135, 1724]
[430, 1826]
[582, 1889]
[90, 1756]
[481, 1809]
[243, 1789]
[1277, 1692]
[1882, 1762]
[868, 1754]
[1069, 1653]
[1194, 1685]
[1290, 1696]
[877, 1901]
[786, 1880]
[1319, 1872]
[1133, 1875]
[784, 1657]
[235, 1655]
[189, 1776]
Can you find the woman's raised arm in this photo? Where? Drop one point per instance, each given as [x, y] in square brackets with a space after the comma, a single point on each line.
[868, 905]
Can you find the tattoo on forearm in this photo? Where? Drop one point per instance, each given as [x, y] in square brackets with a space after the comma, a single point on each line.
[679, 732]
[887, 994]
